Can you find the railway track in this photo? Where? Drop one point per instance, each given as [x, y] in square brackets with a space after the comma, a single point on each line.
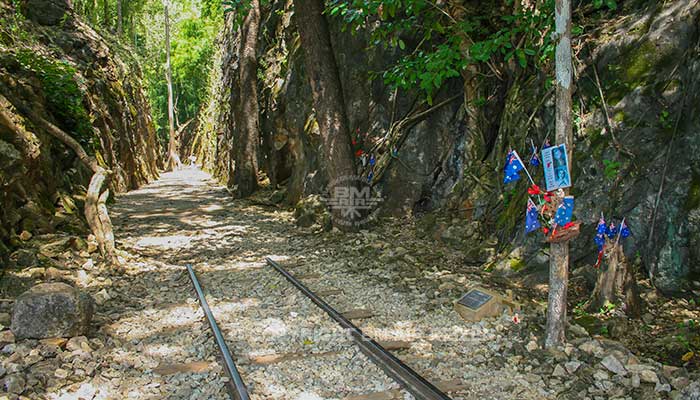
[408, 379]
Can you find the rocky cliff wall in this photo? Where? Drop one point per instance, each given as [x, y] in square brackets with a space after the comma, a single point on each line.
[450, 153]
[55, 67]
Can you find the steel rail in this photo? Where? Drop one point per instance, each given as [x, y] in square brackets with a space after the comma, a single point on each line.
[237, 389]
[395, 368]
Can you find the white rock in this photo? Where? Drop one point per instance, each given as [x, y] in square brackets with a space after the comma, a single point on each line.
[61, 373]
[635, 381]
[614, 365]
[89, 264]
[101, 297]
[532, 346]
[662, 387]
[275, 327]
[601, 375]
[559, 371]
[78, 343]
[648, 376]
[590, 347]
[572, 366]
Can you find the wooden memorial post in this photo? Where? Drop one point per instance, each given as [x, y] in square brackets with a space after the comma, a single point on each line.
[559, 252]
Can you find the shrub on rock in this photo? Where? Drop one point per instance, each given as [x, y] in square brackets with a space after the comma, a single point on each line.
[51, 310]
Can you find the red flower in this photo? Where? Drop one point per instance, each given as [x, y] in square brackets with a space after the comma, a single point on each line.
[534, 189]
[545, 230]
[359, 153]
[548, 197]
[568, 225]
[516, 319]
[354, 142]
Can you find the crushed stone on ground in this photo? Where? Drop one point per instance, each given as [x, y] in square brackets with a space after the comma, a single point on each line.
[150, 340]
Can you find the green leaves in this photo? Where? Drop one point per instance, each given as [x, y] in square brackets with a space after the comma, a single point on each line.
[63, 95]
[611, 4]
[443, 42]
[612, 169]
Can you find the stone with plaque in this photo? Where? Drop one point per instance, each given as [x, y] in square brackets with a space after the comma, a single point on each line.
[480, 303]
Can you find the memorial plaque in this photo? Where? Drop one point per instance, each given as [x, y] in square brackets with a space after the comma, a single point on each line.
[479, 303]
[475, 299]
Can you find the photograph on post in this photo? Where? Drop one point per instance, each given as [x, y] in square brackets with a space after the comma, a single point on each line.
[556, 167]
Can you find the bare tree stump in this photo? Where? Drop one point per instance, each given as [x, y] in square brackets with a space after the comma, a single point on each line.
[615, 283]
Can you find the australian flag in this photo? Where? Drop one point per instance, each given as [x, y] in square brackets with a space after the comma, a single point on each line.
[600, 234]
[611, 230]
[600, 239]
[531, 221]
[624, 230]
[535, 158]
[565, 211]
[513, 167]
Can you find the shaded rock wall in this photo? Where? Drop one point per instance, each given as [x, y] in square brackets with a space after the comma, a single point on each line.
[645, 54]
[88, 86]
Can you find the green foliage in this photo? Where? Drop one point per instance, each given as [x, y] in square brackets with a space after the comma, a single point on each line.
[438, 43]
[607, 308]
[445, 44]
[612, 169]
[194, 25]
[63, 95]
[239, 8]
[611, 4]
[11, 26]
[665, 120]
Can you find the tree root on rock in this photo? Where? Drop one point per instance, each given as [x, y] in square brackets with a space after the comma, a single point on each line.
[98, 190]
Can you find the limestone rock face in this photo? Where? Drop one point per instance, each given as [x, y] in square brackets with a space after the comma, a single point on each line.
[70, 75]
[448, 161]
[52, 310]
[47, 12]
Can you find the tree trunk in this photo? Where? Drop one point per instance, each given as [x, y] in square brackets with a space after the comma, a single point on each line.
[616, 281]
[559, 252]
[105, 14]
[329, 106]
[119, 17]
[173, 159]
[245, 151]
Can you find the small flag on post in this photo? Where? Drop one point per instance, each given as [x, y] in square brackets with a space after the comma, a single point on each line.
[513, 167]
[372, 160]
[531, 221]
[535, 158]
[611, 230]
[600, 234]
[624, 230]
[565, 211]
[600, 239]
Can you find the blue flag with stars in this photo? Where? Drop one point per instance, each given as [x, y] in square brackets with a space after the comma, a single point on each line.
[535, 158]
[565, 211]
[624, 230]
[600, 234]
[611, 230]
[513, 167]
[531, 221]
